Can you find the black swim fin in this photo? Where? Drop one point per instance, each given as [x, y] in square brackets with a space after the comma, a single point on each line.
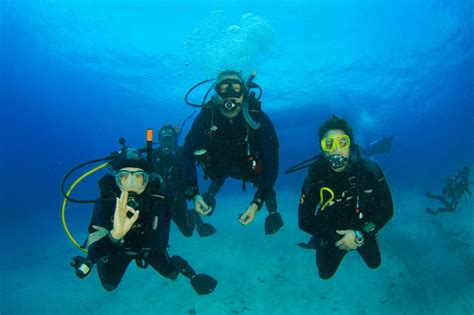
[203, 284]
[310, 245]
[431, 211]
[273, 222]
[210, 200]
[205, 229]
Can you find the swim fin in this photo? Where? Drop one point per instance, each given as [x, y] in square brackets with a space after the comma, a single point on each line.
[205, 229]
[431, 211]
[273, 222]
[203, 284]
[310, 245]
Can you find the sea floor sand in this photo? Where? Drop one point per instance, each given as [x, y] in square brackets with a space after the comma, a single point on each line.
[427, 268]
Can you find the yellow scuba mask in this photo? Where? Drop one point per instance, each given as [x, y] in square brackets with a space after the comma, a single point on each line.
[329, 144]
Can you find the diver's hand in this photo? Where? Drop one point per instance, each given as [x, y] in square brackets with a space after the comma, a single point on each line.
[200, 206]
[347, 242]
[122, 223]
[97, 235]
[249, 214]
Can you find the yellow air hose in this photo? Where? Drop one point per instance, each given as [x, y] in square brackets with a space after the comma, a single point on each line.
[63, 209]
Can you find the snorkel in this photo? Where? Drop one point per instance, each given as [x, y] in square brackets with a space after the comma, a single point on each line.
[245, 107]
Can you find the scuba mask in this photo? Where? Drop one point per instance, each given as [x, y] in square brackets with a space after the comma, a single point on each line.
[329, 144]
[133, 181]
[229, 88]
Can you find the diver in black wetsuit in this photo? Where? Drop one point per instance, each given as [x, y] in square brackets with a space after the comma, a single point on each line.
[456, 186]
[345, 201]
[233, 137]
[167, 162]
[131, 221]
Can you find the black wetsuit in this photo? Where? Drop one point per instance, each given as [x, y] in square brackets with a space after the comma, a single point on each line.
[146, 242]
[364, 179]
[234, 150]
[169, 166]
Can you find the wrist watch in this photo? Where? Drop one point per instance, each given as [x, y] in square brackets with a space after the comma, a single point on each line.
[359, 238]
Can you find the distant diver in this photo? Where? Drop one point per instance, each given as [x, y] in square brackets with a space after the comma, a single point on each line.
[168, 163]
[381, 145]
[456, 186]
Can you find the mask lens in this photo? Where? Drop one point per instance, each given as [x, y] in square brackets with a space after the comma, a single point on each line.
[236, 87]
[343, 141]
[327, 144]
[122, 177]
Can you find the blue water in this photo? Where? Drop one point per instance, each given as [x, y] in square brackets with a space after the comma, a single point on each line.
[77, 75]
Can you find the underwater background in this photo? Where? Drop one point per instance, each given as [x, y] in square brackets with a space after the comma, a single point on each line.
[75, 76]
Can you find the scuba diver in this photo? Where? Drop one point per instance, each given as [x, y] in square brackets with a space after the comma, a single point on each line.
[167, 162]
[233, 137]
[345, 200]
[130, 222]
[381, 145]
[456, 186]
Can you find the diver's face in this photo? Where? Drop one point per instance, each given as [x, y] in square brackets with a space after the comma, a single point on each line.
[168, 142]
[336, 143]
[132, 179]
[230, 95]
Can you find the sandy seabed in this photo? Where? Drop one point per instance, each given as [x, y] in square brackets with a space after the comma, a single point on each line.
[427, 268]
